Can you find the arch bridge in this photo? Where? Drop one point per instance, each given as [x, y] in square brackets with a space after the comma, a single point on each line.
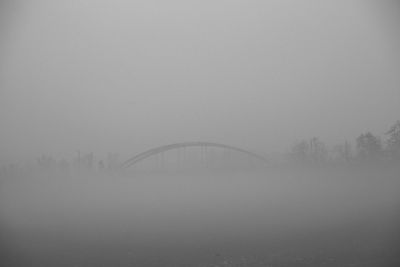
[158, 150]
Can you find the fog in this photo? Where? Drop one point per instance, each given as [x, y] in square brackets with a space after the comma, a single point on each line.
[275, 217]
[199, 133]
[124, 76]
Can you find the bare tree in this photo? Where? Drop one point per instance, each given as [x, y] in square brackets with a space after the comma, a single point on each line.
[343, 152]
[393, 143]
[300, 151]
[318, 151]
[369, 147]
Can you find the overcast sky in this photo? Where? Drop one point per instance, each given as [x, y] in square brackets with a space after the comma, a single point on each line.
[124, 76]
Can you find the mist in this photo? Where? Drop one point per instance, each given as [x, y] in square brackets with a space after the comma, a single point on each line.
[167, 218]
[124, 77]
[212, 133]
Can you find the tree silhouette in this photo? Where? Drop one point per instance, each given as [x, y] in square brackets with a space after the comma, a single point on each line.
[393, 143]
[343, 152]
[368, 146]
[300, 151]
[318, 151]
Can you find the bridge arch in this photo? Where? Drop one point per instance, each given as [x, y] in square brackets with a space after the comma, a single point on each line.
[160, 149]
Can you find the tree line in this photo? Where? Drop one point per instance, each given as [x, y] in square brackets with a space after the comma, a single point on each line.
[367, 147]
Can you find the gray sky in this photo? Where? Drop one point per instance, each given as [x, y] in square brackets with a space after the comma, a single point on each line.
[123, 76]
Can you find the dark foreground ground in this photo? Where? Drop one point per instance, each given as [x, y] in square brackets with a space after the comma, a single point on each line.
[344, 246]
[340, 223]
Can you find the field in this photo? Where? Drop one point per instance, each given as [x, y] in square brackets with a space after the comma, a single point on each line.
[276, 218]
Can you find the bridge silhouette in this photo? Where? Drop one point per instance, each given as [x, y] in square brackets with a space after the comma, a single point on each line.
[160, 149]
